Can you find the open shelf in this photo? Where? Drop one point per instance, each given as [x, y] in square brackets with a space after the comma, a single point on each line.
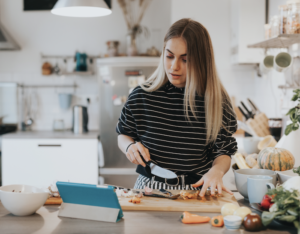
[282, 41]
[129, 61]
[288, 87]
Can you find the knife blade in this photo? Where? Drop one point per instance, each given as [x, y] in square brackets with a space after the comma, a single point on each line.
[159, 171]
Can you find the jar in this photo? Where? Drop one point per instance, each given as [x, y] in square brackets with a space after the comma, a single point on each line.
[267, 31]
[275, 26]
[112, 48]
[283, 11]
[293, 17]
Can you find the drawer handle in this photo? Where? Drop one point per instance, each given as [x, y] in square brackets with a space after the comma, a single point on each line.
[49, 145]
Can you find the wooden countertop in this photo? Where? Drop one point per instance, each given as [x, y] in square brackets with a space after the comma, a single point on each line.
[134, 222]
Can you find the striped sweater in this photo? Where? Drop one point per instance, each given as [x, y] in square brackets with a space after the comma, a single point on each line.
[157, 120]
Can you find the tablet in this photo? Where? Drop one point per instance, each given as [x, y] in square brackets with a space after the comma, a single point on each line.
[88, 201]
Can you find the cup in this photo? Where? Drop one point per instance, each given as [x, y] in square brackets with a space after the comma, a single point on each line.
[250, 144]
[275, 126]
[267, 64]
[282, 61]
[258, 186]
[65, 100]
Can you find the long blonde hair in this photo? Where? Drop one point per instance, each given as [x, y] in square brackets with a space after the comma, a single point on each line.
[201, 77]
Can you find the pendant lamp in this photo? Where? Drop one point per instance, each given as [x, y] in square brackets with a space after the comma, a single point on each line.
[81, 8]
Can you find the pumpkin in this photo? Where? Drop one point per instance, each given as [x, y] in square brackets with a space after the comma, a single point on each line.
[275, 159]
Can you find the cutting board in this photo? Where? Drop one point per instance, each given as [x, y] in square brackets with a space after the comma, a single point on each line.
[209, 204]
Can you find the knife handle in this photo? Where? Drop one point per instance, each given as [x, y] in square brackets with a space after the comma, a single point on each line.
[154, 195]
[147, 163]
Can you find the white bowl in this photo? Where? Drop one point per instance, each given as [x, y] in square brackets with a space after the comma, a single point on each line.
[285, 175]
[232, 222]
[25, 200]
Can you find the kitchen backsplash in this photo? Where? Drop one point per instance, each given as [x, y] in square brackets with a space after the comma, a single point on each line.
[45, 101]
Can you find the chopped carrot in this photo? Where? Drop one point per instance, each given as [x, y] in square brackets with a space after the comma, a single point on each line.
[217, 221]
[189, 218]
[135, 200]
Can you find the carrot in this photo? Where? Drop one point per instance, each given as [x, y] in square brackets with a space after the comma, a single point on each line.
[135, 200]
[217, 221]
[188, 218]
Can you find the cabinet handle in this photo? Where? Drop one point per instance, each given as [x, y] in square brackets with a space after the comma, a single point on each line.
[49, 145]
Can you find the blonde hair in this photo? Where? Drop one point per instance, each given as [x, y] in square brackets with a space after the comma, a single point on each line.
[201, 77]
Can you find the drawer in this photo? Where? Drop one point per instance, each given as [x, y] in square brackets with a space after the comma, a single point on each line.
[39, 162]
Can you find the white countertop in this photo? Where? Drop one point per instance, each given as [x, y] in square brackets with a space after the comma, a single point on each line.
[50, 135]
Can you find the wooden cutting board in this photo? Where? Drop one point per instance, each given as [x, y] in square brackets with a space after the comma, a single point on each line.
[209, 204]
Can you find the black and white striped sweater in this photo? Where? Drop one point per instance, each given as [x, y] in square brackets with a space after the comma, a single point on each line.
[157, 120]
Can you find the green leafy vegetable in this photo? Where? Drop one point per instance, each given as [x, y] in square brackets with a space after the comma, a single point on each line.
[294, 114]
[286, 207]
[297, 170]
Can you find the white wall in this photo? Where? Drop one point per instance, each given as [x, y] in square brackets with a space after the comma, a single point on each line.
[240, 81]
[41, 32]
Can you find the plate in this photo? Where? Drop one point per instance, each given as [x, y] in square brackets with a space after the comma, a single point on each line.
[256, 206]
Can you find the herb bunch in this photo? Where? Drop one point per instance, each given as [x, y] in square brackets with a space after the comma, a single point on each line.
[294, 114]
[286, 207]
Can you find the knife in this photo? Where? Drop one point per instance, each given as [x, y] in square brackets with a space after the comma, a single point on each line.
[254, 106]
[251, 115]
[246, 116]
[159, 171]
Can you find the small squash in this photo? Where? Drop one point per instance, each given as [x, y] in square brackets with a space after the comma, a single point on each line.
[275, 159]
[217, 221]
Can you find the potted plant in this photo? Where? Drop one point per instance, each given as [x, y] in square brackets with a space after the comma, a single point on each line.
[291, 138]
[294, 114]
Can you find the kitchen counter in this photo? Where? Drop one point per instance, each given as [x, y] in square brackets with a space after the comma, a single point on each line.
[134, 222]
[50, 135]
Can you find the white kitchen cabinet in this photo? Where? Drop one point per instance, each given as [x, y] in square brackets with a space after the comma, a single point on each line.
[247, 19]
[39, 162]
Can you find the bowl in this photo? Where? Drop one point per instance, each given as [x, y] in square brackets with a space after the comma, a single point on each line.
[241, 176]
[22, 200]
[250, 144]
[232, 222]
[285, 175]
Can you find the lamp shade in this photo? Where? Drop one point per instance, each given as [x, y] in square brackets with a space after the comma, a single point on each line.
[81, 8]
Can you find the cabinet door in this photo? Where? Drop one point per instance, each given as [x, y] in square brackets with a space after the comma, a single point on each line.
[41, 162]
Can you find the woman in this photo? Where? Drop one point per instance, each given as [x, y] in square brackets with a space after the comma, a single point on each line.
[181, 117]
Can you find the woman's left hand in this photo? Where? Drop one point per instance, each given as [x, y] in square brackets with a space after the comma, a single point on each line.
[212, 179]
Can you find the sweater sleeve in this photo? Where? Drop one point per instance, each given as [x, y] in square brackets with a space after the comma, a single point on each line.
[126, 124]
[226, 144]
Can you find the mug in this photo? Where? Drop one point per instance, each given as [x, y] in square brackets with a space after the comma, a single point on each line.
[65, 100]
[258, 186]
[267, 64]
[282, 61]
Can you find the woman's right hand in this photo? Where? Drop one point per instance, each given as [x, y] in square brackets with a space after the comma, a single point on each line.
[135, 152]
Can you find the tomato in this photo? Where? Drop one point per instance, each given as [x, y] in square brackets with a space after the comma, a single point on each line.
[267, 197]
[266, 203]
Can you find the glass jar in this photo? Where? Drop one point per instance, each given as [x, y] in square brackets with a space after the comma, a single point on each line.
[293, 17]
[283, 10]
[275, 26]
[267, 31]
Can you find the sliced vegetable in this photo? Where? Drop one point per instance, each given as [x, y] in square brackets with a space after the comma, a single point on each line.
[251, 162]
[240, 161]
[189, 218]
[252, 222]
[217, 221]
